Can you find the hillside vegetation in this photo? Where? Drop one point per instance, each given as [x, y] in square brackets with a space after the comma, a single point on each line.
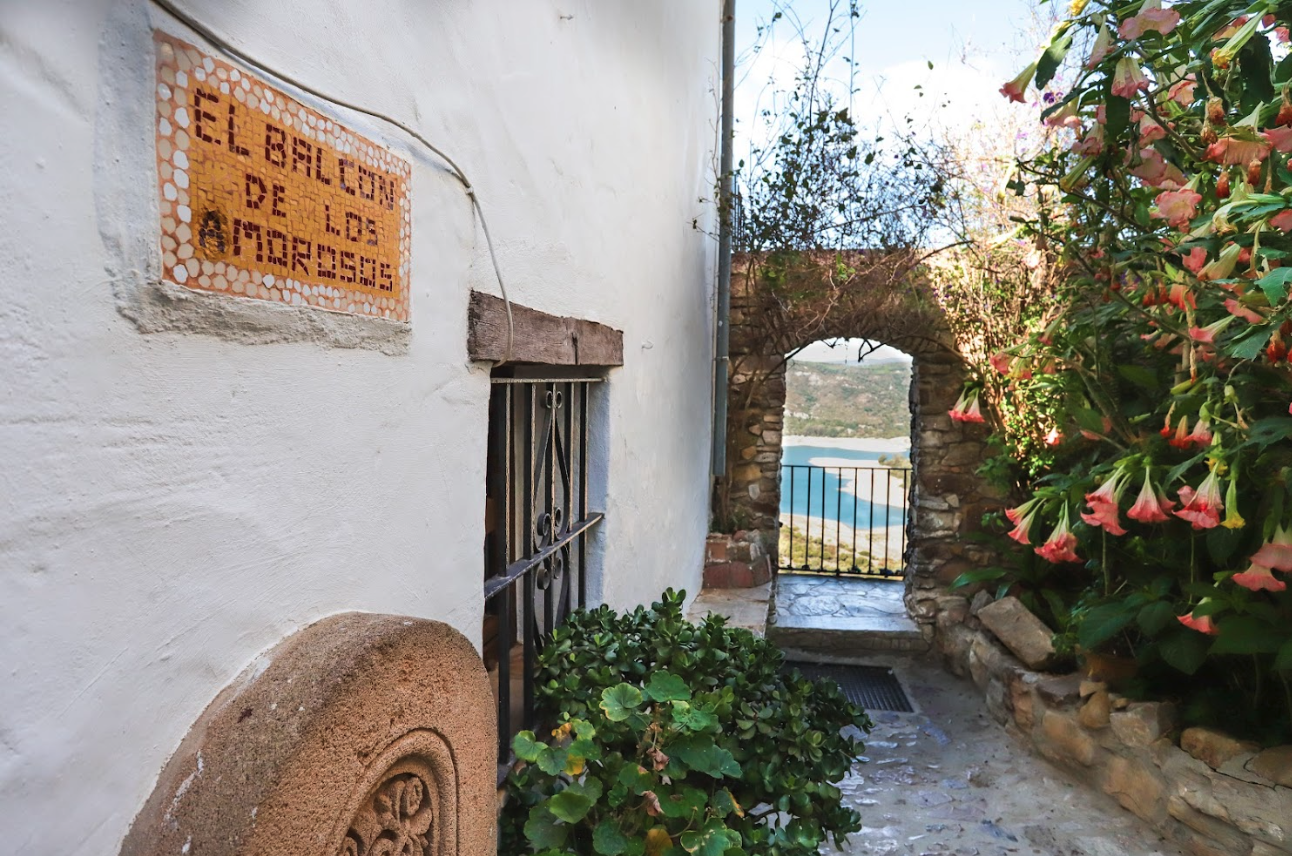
[849, 400]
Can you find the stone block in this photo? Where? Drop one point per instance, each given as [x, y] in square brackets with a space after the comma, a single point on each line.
[980, 600]
[1021, 632]
[1219, 833]
[987, 661]
[1062, 738]
[1261, 848]
[1023, 703]
[1213, 747]
[1138, 787]
[1143, 723]
[1258, 810]
[1060, 690]
[1095, 712]
[1274, 764]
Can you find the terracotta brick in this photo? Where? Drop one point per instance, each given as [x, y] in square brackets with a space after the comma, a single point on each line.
[741, 575]
[717, 575]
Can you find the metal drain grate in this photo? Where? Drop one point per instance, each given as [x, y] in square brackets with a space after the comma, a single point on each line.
[869, 687]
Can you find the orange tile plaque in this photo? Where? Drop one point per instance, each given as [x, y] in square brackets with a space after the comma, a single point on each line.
[263, 197]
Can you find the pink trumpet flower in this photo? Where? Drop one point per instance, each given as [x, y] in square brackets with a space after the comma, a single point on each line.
[1151, 19]
[1258, 578]
[1196, 260]
[1015, 88]
[1177, 207]
[1202, 624]
[1208, 334]
[1104, 505]
[1022, 517]
[1182, 92]
[967, 409]
[1238, 310]
[1232, 151]
[1280, 138]
[1282, 220]
[1201, 433]
[1150, 506]
[1061, 545]
[1277, 552]
[1128, 78]
[1202, 509]
[1102, 47]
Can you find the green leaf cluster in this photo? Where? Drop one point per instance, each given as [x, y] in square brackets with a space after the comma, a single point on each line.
[674, 738]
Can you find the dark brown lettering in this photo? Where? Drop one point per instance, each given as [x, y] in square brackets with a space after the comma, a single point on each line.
[202, 118]
[259, 191]
[318, 166]
[387, 278]
[341, 164]
[302, 153]
[328, 272]
[351, 217]
[300, 259]
[327, 221]
[279, 256]
[247, 229]
[232, 138]
[280, 194]
[367, 272]
[275, 145]
[347, 256]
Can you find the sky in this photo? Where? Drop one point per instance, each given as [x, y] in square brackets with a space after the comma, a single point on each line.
[974, 47]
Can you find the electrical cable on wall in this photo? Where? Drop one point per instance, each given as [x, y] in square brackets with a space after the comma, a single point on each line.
[215, 39]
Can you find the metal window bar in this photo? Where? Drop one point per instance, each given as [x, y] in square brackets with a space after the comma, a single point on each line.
[536, 544]
[844, 550]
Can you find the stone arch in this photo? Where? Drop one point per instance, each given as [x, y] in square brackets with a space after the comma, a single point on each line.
[781, 302]
[360, 734]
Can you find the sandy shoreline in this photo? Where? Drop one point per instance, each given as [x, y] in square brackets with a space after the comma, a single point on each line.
[855, 444]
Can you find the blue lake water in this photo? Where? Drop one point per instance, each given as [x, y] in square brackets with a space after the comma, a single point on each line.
[801, 489]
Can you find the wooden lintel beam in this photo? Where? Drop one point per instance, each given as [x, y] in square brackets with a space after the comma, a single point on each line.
[538, 337]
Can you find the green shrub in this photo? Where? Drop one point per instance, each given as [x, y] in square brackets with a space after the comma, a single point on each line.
[677, 738]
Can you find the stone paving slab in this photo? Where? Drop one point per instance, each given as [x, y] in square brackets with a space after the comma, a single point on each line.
[842, 616]
[948, 779]
[743, 607]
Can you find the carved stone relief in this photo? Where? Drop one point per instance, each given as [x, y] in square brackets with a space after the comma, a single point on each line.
[365, 735]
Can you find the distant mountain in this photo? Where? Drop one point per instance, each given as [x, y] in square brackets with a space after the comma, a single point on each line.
[850, 400]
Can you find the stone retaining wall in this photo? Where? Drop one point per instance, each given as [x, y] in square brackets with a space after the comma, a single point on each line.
[1206, 792]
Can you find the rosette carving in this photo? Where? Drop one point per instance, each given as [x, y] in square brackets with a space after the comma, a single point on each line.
[398, 816]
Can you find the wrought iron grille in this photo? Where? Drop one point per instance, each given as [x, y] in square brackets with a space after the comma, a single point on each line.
[537, 522]
[844, 520]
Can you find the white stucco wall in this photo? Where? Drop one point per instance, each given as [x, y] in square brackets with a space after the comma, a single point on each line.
[171, 505]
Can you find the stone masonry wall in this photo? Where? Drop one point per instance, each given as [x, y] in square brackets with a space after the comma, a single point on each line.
[1208, 793]
[947, 498]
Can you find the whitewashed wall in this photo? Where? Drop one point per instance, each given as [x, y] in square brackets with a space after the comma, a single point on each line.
[172, 504]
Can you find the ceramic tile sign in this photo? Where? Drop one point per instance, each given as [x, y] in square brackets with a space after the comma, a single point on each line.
[264, 198]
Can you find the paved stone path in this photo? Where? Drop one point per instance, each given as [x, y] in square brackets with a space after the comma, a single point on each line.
[946, 779]
[950, 780]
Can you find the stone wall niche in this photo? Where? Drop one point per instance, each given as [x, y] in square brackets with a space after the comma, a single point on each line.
[361, 735]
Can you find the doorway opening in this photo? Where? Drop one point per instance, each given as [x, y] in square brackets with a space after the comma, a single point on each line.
[845, 465]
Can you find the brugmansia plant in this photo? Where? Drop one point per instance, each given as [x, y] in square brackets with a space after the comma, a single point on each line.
[674, 738]
[1167, 206]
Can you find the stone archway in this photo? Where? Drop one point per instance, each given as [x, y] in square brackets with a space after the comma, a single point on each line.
[780, 303]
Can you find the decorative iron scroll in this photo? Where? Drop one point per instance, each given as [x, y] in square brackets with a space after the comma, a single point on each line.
[397, 819]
